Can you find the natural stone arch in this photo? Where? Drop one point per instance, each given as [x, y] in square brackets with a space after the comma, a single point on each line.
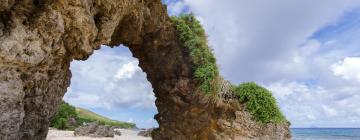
[39, 39]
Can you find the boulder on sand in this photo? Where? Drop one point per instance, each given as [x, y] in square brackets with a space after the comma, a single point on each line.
[117, 132]
[94, 130]
[146, 133]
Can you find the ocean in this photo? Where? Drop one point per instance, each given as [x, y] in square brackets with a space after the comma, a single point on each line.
[325, 133]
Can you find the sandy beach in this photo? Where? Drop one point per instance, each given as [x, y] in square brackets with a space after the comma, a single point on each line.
[69, 135]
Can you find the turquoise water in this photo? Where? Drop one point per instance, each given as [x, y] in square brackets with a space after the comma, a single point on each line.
[325, 133]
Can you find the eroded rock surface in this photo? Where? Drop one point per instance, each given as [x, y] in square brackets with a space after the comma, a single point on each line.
[39, 39]
[95, 130]
[146, 133]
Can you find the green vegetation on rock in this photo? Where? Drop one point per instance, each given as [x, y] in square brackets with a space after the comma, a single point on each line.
[259, 102]
[88, 116]
[68, 118]
[193, 37]
[64, 114]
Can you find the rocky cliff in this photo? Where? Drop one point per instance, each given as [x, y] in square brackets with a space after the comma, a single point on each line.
[40, 38]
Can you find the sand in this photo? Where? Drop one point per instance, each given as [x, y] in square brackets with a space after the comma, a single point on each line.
[69, 135]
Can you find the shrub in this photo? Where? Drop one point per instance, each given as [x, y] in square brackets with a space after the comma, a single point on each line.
[59, 123]
[65, 112]
[259, 102]
[193, 37]
[81, 120]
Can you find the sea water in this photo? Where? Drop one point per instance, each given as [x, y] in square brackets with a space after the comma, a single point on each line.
[325, 133]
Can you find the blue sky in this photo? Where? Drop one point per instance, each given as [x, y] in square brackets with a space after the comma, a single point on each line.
[306, 52]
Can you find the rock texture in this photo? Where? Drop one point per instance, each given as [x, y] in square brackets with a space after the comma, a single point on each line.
[95, 130]
[146, 133]
[117, 132]
[39, 39]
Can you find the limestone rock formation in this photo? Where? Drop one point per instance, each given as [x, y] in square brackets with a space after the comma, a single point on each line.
[94, 130]
[40, 38]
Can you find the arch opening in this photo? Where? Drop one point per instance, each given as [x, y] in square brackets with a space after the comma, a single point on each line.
[110, 83]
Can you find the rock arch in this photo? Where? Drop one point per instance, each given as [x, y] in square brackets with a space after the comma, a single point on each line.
[39, 39]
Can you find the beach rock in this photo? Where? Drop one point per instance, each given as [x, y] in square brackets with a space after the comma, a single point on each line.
[117, 132]
[146, 133]
[94, 130]
[40, 38]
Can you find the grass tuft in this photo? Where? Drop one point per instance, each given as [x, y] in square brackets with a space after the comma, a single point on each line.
[193, 37]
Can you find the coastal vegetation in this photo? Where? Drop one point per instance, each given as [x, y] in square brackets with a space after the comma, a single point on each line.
[89, 116]
[193, 37]
[61, 120]
[259, 102]
[69, 117]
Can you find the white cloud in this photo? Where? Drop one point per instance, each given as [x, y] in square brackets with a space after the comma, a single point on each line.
[329, 111]
[131, 120]
[263, 36]
[308, 105]
[176, 7]
[311, 117]
[110, 79]
[127, 71]
[349, 68]
[330, 42]
[80, 100]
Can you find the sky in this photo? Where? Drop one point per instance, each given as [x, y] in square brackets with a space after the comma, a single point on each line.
[306, 52]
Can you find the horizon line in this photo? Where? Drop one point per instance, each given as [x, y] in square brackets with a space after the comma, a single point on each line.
[324, 127]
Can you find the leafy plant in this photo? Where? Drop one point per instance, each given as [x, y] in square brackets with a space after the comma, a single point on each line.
[59, 123]
[61, 119]
[259, 102]
[193, 37]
